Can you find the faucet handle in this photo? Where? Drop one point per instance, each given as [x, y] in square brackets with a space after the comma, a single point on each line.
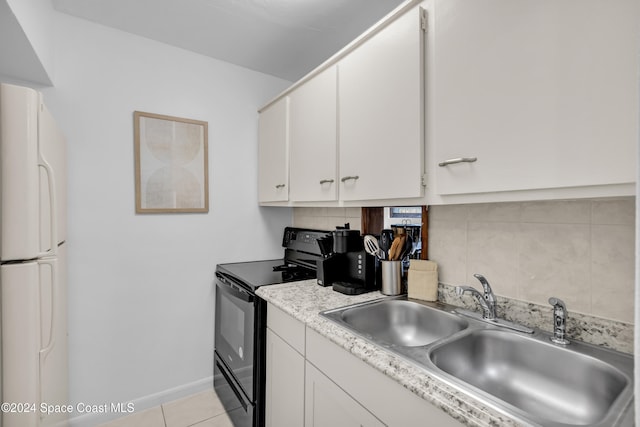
[559, 321]
[484, 282]
[488, 292]
[482, 279]
[558, 302]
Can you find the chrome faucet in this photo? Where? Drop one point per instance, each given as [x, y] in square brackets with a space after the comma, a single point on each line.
[559, 321]
[487, 300]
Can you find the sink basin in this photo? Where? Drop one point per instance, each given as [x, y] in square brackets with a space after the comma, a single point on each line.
[399, 322]
[548, 383]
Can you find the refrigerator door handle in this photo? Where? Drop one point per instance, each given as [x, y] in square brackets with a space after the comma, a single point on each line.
[44, 351]
[53, 234]
[54, 290]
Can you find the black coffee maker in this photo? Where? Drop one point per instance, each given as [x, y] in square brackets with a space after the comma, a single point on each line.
[347, 268]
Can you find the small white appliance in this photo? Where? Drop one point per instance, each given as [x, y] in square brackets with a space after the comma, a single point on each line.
[33, 286]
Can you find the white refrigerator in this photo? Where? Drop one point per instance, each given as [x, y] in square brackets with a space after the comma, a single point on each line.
[33, 286]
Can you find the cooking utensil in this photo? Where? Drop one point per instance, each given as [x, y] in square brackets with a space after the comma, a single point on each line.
[386, 238]
[397, 247]
[408, 247]
[372, 246]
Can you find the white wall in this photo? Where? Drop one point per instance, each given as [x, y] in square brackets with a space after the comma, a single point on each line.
[140, 286]
[35, 18]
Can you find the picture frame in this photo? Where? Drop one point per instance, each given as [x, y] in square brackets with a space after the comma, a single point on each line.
[171, 164]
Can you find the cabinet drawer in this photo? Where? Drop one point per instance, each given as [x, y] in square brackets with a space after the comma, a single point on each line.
[288, 328]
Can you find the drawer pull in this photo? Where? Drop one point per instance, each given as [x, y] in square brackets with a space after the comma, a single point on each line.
[326, 181]
[349, 178]
[458, 160]
[279, 186]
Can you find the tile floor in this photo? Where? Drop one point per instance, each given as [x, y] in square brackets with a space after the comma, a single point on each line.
[199, 410]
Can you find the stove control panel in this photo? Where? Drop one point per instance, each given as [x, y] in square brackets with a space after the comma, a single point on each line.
[303, 240]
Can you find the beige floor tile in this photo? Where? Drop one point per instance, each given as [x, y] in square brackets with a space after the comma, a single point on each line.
[150, 418]
[219, 421]
[192, 409]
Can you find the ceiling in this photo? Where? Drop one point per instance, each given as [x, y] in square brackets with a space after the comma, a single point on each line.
[283, 38]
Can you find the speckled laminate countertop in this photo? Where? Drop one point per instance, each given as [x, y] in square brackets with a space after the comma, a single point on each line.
[305, 300]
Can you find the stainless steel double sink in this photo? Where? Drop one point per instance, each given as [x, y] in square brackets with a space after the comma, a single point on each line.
[523, 375]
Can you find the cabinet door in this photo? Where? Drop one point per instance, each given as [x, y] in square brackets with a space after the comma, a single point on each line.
[327, 405]
[285, 384]
[380, 97]
[312, 128]
[543, 93]
[273, 161]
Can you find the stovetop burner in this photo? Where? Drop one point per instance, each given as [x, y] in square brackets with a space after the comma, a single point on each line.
[292, 273]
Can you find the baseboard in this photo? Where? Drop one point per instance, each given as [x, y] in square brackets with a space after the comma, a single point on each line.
[143, 403]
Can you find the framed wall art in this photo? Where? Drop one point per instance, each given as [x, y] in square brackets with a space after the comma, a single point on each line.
[171, 164]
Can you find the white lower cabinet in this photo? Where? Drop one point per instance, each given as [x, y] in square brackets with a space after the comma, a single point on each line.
[388, 401]
[312, 382]
[284, 369]
[285, 384]
[327, 405]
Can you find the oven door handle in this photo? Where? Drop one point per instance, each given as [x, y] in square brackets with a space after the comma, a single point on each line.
[232, 386]
[233, 290]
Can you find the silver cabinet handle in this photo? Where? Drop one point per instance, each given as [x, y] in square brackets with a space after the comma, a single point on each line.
[326, 181]
[348, 178]
[458, 160]
[280, 186]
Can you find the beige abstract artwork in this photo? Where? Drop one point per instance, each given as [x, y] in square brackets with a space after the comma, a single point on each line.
[171, 164]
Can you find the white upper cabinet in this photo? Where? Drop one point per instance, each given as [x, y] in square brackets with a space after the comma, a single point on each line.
[544, 94]
[312, 133]
[273, 158]
[380, 105]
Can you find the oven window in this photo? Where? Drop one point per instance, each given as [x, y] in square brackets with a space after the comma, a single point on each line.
[232, 325]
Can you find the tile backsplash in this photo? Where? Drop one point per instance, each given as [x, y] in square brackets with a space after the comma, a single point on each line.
[581, 251]
[327, 218]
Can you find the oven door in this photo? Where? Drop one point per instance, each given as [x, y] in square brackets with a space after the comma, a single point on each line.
[239, 409]
[234, 332]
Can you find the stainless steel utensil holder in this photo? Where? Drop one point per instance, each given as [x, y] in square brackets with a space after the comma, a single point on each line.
[391, 277]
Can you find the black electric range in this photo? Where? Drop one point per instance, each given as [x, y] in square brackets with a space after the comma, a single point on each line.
[253, 274]
[240, 322]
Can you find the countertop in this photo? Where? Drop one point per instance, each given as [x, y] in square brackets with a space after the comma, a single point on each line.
[305, 300]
